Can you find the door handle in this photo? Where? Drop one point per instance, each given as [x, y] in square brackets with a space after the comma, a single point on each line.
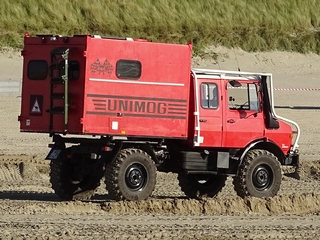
[230, 121]
[203, 120]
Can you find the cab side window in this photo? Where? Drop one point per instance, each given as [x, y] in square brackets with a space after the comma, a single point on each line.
[209, 95]
[244, 97]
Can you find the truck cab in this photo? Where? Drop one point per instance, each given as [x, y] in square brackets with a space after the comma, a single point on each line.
[237, 132]
[237, 109]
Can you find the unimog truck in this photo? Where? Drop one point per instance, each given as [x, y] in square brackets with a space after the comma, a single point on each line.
[119, 110]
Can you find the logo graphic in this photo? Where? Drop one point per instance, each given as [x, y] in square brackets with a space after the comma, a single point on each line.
[98, 67]
[131, 106]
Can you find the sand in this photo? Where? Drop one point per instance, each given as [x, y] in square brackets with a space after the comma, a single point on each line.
[30, 210]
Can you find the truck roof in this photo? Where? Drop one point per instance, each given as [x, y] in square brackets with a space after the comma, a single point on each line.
[210, 73]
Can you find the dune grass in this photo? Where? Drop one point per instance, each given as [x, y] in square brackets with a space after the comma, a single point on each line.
[253, 25]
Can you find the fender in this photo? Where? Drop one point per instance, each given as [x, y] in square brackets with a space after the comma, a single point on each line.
[56, 152]
[266, 145]
[143, 145]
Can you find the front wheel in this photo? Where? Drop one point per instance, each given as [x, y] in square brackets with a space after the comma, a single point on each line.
[259, 175]
[201, 185]
[131, 176]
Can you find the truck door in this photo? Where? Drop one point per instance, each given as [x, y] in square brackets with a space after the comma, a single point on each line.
[210, 113]
[49, 103]
[243, 120]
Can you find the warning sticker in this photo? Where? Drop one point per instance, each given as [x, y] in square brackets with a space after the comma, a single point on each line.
[36, 102]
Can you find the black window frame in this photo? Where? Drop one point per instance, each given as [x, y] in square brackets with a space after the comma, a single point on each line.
[122, 75]
[207, 98]
[38, 77]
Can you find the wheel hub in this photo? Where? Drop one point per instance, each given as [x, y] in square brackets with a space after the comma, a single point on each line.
[262, 178]
[136, 177]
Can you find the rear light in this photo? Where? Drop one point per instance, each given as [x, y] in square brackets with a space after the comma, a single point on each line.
[106, 149]
[54, 38]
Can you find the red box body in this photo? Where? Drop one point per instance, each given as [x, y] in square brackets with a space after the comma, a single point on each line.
[115, 87]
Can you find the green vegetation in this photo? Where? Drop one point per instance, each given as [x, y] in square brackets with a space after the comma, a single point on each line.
[253, 25]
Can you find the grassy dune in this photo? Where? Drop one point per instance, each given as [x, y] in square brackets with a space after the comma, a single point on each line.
[253, 25]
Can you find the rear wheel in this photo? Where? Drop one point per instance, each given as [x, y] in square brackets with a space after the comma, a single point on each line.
[259, 175]
[69, 188]
[131, 176]
[200, 185]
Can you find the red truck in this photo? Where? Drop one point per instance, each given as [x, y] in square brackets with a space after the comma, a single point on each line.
[121, 109]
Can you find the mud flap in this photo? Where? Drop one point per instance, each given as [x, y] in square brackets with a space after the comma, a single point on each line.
[55, 153]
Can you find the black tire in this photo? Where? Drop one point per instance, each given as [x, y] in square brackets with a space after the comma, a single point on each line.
[66, 188]
[259, 175]
[200, 185]
[131, 176]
